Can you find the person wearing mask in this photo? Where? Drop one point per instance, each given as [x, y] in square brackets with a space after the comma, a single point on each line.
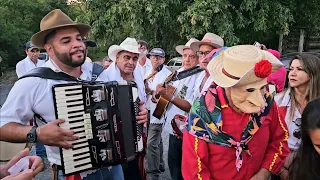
[234, 130]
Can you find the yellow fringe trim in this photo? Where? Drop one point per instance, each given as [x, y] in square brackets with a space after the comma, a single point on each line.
[198, 158]
[224, 106]
[281, 145]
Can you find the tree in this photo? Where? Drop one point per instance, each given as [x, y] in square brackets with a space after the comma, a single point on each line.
[19, 20]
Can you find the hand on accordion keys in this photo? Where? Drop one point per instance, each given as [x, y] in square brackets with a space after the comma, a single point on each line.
[53, 135]
[143, 114]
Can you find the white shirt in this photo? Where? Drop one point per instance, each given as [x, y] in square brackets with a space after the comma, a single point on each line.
[113, 73]
[283, 100]
[185, 91]
[159, 78]
[27, 65]
[146, 68]
[196, 90]
[34, 95]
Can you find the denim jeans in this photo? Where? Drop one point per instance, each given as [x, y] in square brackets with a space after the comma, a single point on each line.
[115, 173]
[41, 150]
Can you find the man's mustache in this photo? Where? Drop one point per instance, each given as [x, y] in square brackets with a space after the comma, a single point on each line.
[79, 50]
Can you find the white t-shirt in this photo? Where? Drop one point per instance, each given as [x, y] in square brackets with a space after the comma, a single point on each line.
[185, 91]
[283, 100]
[159, 78]
[196, 90]
[145, 69]
[27, 65]
[34, 95]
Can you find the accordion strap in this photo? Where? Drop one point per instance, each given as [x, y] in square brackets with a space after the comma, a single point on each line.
[47, 73]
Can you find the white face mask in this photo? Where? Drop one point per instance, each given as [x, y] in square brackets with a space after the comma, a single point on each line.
[249, 98]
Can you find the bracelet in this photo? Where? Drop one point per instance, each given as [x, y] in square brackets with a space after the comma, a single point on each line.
[172, 98]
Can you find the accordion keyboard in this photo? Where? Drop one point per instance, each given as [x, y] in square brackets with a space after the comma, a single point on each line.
[70, 107]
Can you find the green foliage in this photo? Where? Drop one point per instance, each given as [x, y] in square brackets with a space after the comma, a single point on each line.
[19, 20]
[162, 23]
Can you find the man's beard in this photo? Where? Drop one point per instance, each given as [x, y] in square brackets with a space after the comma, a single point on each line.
[66, 58]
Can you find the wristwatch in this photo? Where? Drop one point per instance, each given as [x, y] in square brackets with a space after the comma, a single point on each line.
[32, 135]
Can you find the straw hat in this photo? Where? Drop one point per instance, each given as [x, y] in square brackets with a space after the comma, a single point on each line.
[241, 65]
[53, 20]
[129, 44]
[180, 48]
[210, 39]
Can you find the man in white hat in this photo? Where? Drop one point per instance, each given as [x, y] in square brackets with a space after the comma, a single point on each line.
[62, 39]
[125, 58]
[30, 62]
[234, 129]
[202, 48]
[179, 105]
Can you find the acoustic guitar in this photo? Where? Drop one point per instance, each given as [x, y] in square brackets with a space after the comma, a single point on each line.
[163, 103]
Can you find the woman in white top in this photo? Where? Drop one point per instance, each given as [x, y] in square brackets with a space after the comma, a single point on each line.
[304, 86]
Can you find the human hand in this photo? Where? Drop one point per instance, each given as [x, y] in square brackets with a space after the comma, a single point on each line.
[165, 92]
[154, 98]
[284, 175]
[35, 165]
[53, 135]
[262, 174]
[27, 174]
[143, 114]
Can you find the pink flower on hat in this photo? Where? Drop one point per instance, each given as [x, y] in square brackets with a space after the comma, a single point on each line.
[262, 69]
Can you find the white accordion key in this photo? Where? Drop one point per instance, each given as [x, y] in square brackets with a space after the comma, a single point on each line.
[58, 89]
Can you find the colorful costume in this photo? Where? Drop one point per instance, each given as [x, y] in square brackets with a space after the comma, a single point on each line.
[223, 143]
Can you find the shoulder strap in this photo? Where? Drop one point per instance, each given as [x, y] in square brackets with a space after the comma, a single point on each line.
[96, 71]
[47, 73]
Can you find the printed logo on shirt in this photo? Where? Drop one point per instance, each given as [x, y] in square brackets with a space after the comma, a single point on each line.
[183, 92]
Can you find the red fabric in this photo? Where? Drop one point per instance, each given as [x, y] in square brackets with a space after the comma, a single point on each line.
[218, 162]
[262, 69]
[73, 177]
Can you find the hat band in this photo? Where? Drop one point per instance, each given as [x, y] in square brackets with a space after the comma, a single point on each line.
[229, 75]
[207, 40]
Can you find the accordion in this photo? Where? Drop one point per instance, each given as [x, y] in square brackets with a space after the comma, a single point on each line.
[102, 115]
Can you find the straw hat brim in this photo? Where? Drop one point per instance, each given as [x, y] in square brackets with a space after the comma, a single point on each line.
[180, 48]
[215, 67]
[115, 49]
[195, 46]
[38, 38]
